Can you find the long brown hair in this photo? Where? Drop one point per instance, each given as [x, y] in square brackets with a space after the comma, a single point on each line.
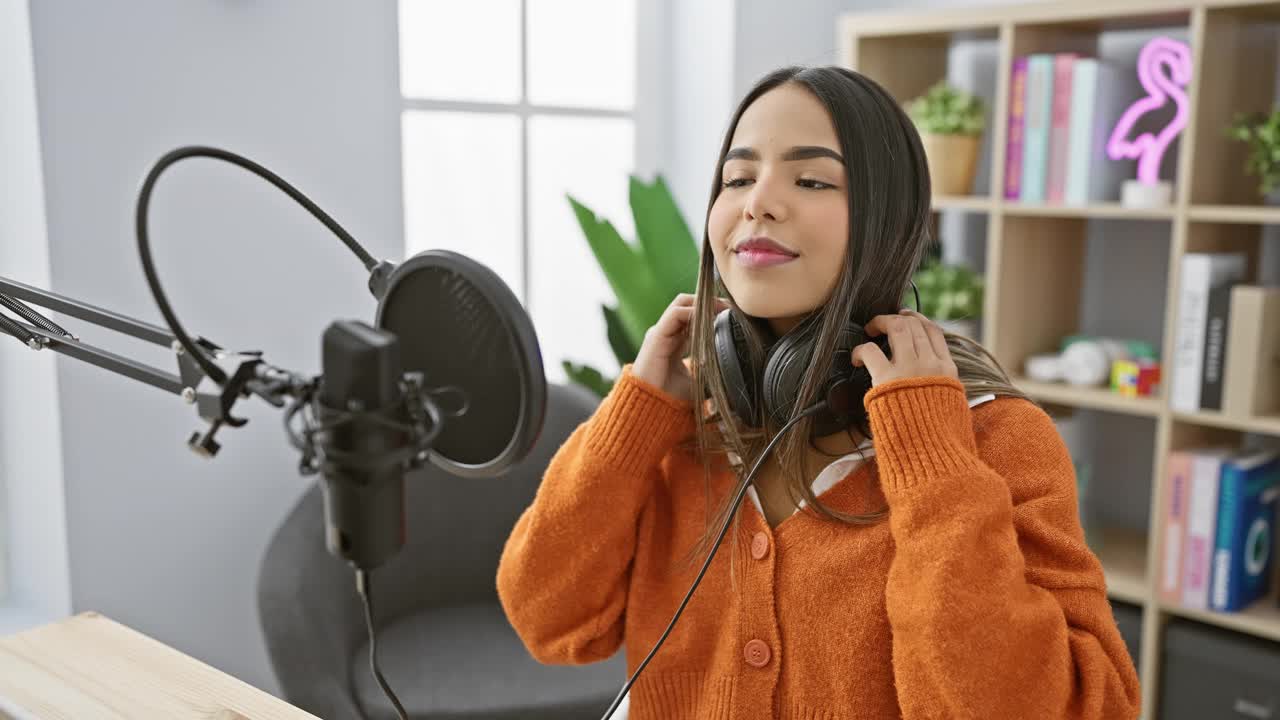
[889, 199]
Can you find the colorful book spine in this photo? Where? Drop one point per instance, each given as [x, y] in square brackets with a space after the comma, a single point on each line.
[1017, 118]
[1084, 90]
[1250, 383]
[1035, 135]
[1242, 559]
[1178, 474]
[1202, 520]
[1215, 347]
[1200, 273]
[1059, 128]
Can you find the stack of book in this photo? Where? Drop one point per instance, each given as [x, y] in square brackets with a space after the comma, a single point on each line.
[1062, 108]
[1220, 527]
[1226, 354]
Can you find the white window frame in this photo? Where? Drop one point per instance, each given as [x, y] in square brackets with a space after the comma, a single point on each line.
[645, 112]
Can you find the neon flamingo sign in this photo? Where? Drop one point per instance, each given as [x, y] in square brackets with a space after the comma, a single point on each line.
[1149, 149]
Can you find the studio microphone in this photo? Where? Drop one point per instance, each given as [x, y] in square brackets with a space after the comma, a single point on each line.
[450, 375]
[362, 405]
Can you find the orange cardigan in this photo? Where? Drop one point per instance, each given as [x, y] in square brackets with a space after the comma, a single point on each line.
[977, 598]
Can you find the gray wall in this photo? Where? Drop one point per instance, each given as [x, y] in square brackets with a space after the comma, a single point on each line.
[160, 539]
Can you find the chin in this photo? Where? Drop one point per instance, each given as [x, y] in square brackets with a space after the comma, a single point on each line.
[770, 309]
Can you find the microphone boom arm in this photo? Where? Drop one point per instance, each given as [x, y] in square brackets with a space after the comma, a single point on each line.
[246, 372]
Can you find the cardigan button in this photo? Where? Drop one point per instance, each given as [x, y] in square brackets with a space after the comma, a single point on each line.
[756, 653]
[759, 546]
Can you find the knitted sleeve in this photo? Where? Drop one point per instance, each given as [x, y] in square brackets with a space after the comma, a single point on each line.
[564, 572]
[998, 607]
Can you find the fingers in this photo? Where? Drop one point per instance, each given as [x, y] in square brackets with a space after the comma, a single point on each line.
[901, 343]
[920, 334]
[871, 356]
[937, 340]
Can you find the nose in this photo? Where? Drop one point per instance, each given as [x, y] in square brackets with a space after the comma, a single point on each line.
[764, 202]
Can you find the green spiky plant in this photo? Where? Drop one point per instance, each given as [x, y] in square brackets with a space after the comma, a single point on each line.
[1261, 131]
[645, 275]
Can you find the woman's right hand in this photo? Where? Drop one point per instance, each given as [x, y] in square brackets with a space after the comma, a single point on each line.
[660, 361]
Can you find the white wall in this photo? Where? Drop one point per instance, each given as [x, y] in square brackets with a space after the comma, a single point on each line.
[158, 538]
[34, 582]
[699, 99]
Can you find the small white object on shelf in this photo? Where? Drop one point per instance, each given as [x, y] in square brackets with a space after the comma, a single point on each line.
[1086, 363]
[1045, 368]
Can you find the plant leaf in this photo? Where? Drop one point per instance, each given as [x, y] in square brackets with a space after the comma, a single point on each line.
[588, 377]
[640, 301]
[623, 349]
[664, 238]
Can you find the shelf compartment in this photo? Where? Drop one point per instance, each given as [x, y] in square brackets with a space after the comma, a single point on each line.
[1124, 558]
[1055, 277]
[1234, 70]
[1039, 273]
[968, 57]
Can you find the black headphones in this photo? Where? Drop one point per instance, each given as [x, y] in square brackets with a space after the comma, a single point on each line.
[753, 395]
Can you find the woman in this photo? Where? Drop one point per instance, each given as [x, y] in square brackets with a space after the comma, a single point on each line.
[924, 561]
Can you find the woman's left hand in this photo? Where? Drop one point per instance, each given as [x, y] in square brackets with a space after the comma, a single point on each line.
[917, 344]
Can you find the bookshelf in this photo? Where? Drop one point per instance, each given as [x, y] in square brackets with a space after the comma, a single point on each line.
[1035, 253]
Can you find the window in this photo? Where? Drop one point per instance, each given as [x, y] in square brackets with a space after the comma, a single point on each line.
[509, 106]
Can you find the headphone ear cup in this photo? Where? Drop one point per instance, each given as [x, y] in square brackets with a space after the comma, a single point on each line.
[735, 367]
[856, 380]
[783, 373]
[843, 390]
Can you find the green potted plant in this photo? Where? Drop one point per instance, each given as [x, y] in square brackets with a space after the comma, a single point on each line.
[950, 122]
[1261, 132]
[645, 276]
[950, 295]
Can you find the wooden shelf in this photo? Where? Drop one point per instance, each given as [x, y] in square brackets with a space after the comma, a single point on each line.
[1094, 210]
[1252, 214]
[1124, 558]
[1214, 418]
[972, 203]
[1037, 255]
[1261, 619]
[1090, 398]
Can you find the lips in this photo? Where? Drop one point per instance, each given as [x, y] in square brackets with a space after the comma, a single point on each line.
[758, 252]
[761, 243]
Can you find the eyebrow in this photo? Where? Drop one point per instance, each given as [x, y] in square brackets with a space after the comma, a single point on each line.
[800, 152]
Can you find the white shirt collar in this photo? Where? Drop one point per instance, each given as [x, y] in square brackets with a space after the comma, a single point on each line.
[841, 467]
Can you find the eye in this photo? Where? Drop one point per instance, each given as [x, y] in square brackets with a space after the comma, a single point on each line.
[735, 182]
[813, 184]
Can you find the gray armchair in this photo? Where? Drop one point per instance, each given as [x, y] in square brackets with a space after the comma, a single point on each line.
[444, 644]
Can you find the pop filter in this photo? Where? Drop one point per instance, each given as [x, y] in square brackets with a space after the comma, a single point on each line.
[461, 326]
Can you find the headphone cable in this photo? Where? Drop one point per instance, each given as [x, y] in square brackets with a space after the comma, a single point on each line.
[724, 528]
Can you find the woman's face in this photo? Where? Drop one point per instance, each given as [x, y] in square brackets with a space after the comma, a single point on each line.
[779, 228]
